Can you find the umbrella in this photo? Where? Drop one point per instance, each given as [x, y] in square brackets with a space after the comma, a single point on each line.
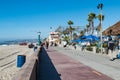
[80, 40]
[83, 37]
[93, 38]
[76, 40]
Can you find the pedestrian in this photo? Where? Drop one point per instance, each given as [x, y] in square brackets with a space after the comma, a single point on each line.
[118, 54]
[46, 44]
[74, 44]
[51, 43]
[110, 49]
[35, 47]
[64, 44]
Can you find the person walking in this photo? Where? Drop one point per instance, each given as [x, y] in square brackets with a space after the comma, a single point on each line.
[35, 47]
[118, 54]
[74, 45]
[110, 49]
[64, 44]
[46, 44]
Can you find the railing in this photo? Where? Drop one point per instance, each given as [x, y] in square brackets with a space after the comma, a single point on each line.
[29, 69]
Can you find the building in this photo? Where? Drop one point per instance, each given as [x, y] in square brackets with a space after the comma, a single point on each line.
[54, 37]
[113, 30]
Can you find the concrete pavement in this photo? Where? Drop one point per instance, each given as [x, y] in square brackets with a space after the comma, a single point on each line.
[57, 64]
[99, 62]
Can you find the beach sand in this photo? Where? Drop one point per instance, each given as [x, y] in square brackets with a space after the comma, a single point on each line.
[8, 59]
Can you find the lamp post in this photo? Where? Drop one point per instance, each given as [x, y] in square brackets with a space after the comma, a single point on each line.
[100, 6]
[39, 41]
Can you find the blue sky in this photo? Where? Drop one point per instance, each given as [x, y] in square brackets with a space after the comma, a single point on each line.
[20, 19]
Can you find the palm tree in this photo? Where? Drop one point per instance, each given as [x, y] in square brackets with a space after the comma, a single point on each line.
[65, 32]
[100, 18]
[87, 28]
[91, 17]
[70, 22]
[71, 29]
[89, 20]
[75, 36]
[81, 33]
[66, 38]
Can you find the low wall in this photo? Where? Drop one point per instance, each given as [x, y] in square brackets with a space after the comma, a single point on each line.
[29, 69]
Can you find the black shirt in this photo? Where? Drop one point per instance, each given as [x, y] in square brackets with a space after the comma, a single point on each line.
[111, 45]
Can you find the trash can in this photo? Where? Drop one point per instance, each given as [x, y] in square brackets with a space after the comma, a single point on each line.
[21, 60]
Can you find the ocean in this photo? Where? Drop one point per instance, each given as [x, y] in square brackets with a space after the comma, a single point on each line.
[17, 41]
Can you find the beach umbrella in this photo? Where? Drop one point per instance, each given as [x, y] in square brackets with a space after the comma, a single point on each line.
[92, 37]
[77, 40]
[83, 37]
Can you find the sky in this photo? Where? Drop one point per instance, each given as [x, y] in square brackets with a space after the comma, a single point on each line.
[22, 19]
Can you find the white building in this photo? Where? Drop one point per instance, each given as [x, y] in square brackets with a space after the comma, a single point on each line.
[54, 37]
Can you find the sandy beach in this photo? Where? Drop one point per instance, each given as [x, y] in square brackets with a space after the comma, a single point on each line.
[8, 59]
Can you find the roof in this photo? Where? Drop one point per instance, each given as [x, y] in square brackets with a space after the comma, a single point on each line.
[115, 29]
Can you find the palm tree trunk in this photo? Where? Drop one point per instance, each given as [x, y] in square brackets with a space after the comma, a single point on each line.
[92, 27]
[71, 35]
[89, 31]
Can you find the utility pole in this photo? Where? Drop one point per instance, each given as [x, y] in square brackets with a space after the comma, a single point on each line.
[100, 6]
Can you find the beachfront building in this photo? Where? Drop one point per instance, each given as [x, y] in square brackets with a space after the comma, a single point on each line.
[113, 30]
[54, 38]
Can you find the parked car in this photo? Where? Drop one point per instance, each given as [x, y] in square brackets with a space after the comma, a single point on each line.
[23, 43]
[30, 45]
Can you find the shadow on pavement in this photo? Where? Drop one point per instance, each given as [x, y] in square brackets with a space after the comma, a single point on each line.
[46, 69]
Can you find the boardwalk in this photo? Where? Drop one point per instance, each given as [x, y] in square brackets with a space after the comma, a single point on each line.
[55, 65]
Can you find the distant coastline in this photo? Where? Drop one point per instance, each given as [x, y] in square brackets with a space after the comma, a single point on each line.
[17, 41]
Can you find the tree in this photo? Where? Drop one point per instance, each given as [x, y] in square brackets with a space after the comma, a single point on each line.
[66, 38]
[89, 25]
[75, 36]
[81, 33]
[70, 22]
[100, 18]
[87, 28]
[91, 18]
[65, 32]
[71, 29]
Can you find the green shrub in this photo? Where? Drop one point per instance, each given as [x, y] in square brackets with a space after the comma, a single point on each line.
[89, 48]
[93, 44]
[97, 50]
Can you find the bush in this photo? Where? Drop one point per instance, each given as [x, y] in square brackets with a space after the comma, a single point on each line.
[97, 50]
[89, 48]
[93, 44]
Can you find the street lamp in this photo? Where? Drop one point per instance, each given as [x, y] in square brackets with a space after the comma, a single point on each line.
[39, 41]
[100, 6]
